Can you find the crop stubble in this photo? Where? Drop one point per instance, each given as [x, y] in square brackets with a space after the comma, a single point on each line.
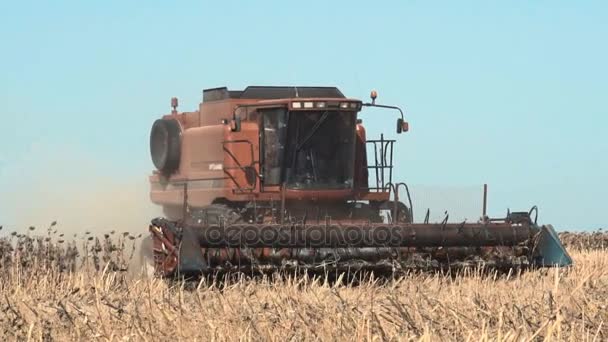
[52, 289]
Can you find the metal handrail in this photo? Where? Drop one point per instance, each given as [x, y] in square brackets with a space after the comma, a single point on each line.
[383, 160]
[395, 189]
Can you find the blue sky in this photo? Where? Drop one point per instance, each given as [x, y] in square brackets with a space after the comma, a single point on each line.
[512, 94]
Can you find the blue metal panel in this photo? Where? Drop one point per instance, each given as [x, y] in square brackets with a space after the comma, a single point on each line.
[549, 250]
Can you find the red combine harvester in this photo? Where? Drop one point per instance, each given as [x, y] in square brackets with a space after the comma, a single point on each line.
[279, 178]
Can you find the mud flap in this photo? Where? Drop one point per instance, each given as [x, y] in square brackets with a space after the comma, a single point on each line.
[191, 259]
[549, 250]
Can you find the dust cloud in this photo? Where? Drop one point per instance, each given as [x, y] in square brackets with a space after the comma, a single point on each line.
[96, 207]
[79, 193]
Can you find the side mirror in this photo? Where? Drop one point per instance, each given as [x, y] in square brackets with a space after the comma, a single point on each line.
[235, 124]
[402, 126]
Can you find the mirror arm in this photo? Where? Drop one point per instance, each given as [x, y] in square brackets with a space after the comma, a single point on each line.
[384, 106]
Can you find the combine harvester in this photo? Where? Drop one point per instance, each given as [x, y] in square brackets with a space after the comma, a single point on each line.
[274, 178]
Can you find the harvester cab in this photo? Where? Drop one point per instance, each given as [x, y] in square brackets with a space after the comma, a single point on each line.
[274, 178]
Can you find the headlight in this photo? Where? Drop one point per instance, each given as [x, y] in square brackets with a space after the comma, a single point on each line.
[296, 104]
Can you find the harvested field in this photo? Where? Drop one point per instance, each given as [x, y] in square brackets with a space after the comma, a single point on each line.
[50, 294]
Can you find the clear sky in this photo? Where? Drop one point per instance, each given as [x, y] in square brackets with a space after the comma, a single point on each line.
[513, 94]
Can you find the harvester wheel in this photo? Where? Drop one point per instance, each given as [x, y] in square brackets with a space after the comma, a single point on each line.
[165, 145]
[403, 212]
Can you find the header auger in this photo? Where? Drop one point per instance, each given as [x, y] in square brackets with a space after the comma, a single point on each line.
[279, 177]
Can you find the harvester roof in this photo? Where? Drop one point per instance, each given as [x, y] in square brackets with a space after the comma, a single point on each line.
[271, 93]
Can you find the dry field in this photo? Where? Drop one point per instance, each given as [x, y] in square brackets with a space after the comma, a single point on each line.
[47, 294]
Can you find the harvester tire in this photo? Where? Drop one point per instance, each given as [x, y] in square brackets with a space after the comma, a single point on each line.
[403, 212]
[165, 145]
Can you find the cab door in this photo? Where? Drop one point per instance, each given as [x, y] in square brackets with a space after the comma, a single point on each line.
[272, 142]
[241, 159]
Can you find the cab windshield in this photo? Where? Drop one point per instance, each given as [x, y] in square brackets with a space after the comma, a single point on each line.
[308, 149]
